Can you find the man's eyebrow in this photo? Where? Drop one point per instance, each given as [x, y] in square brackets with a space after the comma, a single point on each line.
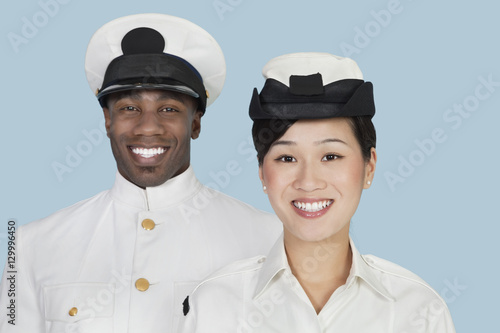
[135, 95]
[171, 95]
[127, 94]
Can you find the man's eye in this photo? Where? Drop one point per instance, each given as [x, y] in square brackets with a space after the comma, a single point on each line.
[130, 108]
[286, 158]
[330, 157]
[169, 110]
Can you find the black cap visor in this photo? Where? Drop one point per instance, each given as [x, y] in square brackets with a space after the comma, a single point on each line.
[153, 71]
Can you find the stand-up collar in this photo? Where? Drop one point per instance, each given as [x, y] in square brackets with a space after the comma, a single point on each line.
[173, 191]
[277, 261]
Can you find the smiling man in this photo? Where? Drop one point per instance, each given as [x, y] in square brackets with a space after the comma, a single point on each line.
[125, 259]
[150, 133]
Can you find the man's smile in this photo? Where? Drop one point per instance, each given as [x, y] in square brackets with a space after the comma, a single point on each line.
[148, 152]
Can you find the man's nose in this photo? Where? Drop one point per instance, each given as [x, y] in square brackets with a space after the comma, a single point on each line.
[149, 124]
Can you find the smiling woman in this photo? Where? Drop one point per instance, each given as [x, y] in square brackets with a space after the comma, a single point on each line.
[316, 164]
[316, 149]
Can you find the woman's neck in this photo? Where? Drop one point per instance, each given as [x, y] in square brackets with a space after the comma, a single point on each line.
[320, 267]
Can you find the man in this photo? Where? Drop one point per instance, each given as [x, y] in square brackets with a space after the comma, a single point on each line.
[125, 259]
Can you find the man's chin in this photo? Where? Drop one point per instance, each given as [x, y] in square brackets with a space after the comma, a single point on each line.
[151, 176]
[148, 177]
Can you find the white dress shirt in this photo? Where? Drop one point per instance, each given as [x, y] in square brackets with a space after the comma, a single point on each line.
[261, 295]
[125, 259]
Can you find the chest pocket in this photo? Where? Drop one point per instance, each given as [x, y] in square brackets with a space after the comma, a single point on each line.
[79, 307]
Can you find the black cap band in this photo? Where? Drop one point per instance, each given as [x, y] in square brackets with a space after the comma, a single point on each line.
[153, 70]
[343, 98]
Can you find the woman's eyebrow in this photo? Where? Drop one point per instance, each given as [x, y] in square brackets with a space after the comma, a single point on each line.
[317, 143]
[329, 140]
[284, 143]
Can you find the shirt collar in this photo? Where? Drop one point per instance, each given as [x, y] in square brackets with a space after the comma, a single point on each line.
[362, 269]
[277, 261]
[168, 194]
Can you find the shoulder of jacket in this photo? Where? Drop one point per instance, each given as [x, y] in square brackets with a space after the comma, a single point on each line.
[64, 213]
[225, 198]
[398, 272]
[235, 269]
[228, 276]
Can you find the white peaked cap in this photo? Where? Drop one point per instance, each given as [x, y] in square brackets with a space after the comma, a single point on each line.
[182, 39]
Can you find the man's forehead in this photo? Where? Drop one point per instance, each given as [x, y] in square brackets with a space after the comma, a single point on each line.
[155, 94]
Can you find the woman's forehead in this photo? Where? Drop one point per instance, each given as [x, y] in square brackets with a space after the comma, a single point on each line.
[318, 130]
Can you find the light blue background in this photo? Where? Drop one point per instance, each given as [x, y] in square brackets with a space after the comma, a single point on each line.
[442, 222]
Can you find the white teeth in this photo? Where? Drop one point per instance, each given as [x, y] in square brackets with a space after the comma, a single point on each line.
[148, 152]
[312, 207]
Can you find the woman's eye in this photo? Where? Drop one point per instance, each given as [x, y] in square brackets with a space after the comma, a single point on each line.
[330, 157]
[287, 159]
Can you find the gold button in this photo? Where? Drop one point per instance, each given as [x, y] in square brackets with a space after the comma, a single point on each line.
[73, 312]
[142, 284]
[148, 224]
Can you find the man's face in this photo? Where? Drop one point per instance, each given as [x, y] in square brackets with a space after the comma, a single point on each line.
[150, 133]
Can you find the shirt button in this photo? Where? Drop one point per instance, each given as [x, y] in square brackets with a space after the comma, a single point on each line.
[73, 311]
[142, 284]
[148, 224]
[261, 260]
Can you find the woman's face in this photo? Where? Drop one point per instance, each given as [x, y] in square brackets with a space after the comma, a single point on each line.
[314, 175]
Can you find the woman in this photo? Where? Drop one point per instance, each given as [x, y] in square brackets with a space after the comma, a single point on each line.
[315, 145]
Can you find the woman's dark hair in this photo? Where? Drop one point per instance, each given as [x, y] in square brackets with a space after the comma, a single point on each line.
[364, 131]
[266, 131]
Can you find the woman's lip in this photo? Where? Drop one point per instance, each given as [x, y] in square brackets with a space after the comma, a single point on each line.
[312, 208]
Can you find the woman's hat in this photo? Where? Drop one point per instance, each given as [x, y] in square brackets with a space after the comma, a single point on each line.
[312, 85]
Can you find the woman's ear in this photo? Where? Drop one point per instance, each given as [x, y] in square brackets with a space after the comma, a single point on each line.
[370, 168]
[261, 176]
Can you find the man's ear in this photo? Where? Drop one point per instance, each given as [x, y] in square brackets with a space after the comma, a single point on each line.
[107, 119]
[196, 125]
[370, 168]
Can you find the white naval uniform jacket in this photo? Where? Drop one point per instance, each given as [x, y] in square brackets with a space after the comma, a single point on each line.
[78, 269]
[262, 295]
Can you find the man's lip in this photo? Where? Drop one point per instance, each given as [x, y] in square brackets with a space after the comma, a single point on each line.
[311, 207]
[147, 155]
[147, 146]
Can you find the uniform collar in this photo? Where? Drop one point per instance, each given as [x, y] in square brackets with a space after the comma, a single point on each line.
[361, 268]
[277, 262]
[168, 194]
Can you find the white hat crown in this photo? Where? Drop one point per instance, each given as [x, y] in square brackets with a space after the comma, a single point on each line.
[331, 67]
[183, 39]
